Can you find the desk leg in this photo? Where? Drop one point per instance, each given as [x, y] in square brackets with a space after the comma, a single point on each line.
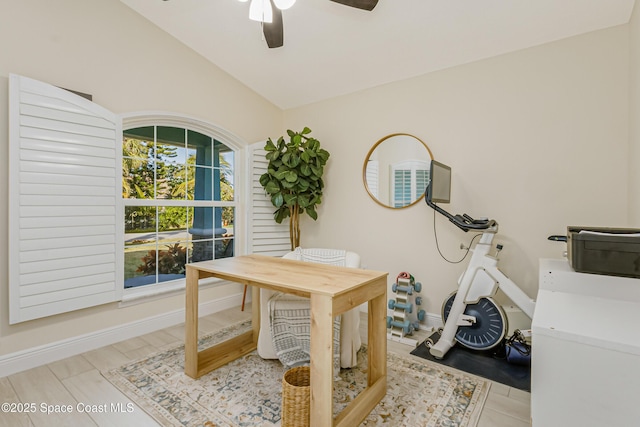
[255, 313]
[321, 361]
[191, 323]
[377, 336]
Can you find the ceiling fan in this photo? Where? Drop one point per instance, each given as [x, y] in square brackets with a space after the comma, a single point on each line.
[269, 12]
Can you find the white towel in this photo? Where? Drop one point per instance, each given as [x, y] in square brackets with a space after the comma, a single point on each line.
[322, 256]
[290, 322]
[290, 315]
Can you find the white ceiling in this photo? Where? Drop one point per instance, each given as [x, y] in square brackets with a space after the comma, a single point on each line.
[330, 49]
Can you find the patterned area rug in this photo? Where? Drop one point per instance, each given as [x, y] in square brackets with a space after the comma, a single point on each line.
[248, 391]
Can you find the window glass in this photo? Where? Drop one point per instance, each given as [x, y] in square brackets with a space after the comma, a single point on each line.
[172, 223]
[224, 176]
[199, 222]
[225, 240]
[200, 183]
[199, 148]
[167, 174]
[139, 220]
[138, 165]
[139, 264]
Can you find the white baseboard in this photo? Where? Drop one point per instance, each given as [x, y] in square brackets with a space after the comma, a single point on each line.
[403, 340]
[433, 321]
[48, 353]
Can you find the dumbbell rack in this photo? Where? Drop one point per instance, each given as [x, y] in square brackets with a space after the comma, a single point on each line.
[403, 321]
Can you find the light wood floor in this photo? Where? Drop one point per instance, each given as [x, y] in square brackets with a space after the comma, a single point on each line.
[76, 382]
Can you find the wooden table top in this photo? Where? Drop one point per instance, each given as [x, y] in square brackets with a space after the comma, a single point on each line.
[304, 278]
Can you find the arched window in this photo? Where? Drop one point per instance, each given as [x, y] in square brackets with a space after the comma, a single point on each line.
[179, 196]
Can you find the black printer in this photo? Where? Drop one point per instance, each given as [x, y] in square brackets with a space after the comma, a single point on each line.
[610, 251]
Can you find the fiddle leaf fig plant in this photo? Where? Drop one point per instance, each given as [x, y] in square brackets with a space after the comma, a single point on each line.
[294, 178]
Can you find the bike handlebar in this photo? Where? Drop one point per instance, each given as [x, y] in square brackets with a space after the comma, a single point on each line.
[464, 221]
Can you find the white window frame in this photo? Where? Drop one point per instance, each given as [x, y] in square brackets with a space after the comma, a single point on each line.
[142, 119]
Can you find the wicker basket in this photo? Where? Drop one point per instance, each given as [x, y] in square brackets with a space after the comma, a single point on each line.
[296, 397]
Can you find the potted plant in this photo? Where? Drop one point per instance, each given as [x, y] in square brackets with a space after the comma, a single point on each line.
[294, 178]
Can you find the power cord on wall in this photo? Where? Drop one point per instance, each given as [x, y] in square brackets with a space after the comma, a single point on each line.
[435, 234]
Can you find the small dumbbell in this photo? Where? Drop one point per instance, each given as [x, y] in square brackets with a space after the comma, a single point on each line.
[408, 307]
[418, 300]
[389, 320]
[421, 315]
[418, 286]
[406, 326]
[408, 289]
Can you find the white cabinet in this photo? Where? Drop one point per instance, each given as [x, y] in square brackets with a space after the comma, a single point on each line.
[586, 349]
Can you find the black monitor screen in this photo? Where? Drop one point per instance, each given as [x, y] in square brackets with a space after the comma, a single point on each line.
[440, 187]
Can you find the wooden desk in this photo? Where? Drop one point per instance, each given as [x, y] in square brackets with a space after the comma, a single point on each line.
[332, 291]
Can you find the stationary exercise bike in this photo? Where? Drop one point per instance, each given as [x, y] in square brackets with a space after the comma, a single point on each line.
[470, 315]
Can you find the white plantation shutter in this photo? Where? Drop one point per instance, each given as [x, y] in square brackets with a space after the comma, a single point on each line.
[266, 236]
[422, 179]
[409, 180]
[401, 188]
[64, 202]
[372, 177]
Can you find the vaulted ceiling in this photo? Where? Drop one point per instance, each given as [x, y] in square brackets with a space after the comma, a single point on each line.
[331, 49]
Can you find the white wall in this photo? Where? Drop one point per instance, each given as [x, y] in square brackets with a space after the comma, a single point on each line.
[103, 48]
[537, 139]
[634, 118]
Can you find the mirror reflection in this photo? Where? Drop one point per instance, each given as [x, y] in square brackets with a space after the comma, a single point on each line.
[396, 170]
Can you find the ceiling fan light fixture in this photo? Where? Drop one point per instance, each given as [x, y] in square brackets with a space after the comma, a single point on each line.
[260, 10]
[284, 4]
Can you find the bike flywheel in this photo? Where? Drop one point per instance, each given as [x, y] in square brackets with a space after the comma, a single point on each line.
[490, 326]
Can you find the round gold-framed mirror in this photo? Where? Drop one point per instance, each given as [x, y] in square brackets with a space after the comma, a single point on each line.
[396, 170]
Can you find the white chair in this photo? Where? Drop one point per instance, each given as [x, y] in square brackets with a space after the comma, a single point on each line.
[350, 340]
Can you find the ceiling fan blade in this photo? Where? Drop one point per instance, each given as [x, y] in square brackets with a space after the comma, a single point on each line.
[274, 31]
[360, 4]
